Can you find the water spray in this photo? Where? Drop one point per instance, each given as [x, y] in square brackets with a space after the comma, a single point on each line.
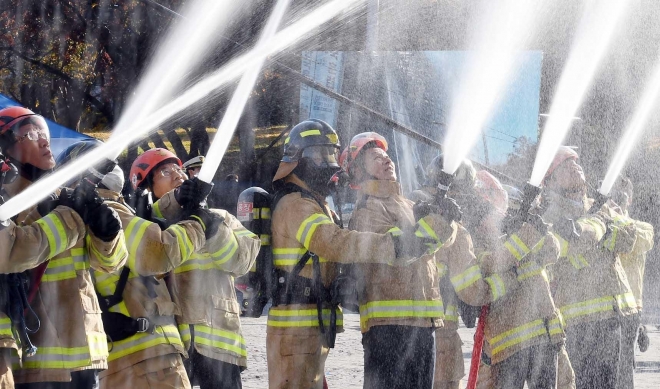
[111, 149]
[504, 29]
[593, 36]
[184, 47]
[238, 101]
[635, 128]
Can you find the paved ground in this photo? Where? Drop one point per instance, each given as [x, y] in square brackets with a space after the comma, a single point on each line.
[344, 367]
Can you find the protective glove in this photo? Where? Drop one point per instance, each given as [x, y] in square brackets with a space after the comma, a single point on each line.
[209, 221]
[408, 248]
[192, 193]
[104, 222]
[537, 222]
[449, 209]
[422, 209]
[567, 229]
[48, 204]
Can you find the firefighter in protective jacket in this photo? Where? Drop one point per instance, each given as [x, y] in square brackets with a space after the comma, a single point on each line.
[307, 245]
[591, 288]
[71, 345]
[400, 308]
[203, 288]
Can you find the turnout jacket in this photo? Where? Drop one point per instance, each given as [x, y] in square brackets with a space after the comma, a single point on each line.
[526, 316]
[390, 295]
[590, 281]
[25, 247]
[152, 252]
[71, 335]
[203, 287]
[300, 224]
[634, 262]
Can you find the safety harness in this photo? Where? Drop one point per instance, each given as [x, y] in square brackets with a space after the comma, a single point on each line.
[291, 288]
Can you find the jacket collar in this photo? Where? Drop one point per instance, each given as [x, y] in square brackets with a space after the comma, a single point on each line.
[380, 188]
[107, 194]
[16, 187]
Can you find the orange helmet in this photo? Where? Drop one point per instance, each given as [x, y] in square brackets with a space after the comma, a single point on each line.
[490, 189]
[147, 161]
[12, 118]
[563, 153]
[357, 144]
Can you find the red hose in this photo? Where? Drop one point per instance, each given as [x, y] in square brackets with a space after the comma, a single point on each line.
[476, 350]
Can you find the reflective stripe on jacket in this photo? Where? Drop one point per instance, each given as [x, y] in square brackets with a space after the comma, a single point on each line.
[590, 281]
[71, 335]
[388, 295]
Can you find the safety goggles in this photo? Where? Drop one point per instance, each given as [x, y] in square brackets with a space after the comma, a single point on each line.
[169, 171]
[324, 155]
[31, 127]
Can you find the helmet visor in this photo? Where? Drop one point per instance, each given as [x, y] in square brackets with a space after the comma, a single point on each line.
[32, 127]
[322, 156]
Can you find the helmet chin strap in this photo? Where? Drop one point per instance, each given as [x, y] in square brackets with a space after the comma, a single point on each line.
[29, 171]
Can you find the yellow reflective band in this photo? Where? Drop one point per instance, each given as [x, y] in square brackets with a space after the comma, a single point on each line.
[133, 234]
[265, 213]
[196, 262]
[467, 278]
[400, 309]
[516, 247]
[531, 269]
[310, 132]
[584, 308]
[626, 300]
[226, 252]
[291, 256]
[265, 239]
[113, 259]
[65, 268]
[220, 339]
[524, 333]
[55, 233]
[563, 245]
[597, 225]
[611, 240]
[578, 261]
[496, 286]
[425, 231]
[538, 246]
[240, 232]
[69, 357]
[308, 227]
[157, 211]
[184, 331]
[5, 326]
[167, 334]
[451, 313]
[395, 231]
[442, 269]
[186, 248]
[300, 317]
[482, 255]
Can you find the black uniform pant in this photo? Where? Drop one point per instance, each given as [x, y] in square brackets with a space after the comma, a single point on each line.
[594, 350]
[629, 326]
[536, 365]
[84, 379]
[399, 357]
[210, 373]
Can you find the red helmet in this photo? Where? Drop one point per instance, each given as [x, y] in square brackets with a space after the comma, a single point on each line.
[491, 190]
[563, 153]
[12, 118]
[357, 144]
[147, 161]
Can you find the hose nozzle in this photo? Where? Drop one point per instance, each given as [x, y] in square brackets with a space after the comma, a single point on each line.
[599, 200]
[530, 193]
[444, 182]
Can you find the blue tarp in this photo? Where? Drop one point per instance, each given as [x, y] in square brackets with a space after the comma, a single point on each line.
[60, 136]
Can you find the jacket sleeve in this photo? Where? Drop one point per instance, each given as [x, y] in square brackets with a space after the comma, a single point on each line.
[25, 247]
[233, 248]
[466, 275]
[106, 256]
[303, 220]
[166, 207]
[644, 242]
[152, 251]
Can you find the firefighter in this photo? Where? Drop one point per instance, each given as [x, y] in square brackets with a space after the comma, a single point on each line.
[633, 264]
[591, 288]
[24, 248]
[523, 329]
[138, 312]
[400, 308]
[204, 290]
[71, 340]
[307, 246]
